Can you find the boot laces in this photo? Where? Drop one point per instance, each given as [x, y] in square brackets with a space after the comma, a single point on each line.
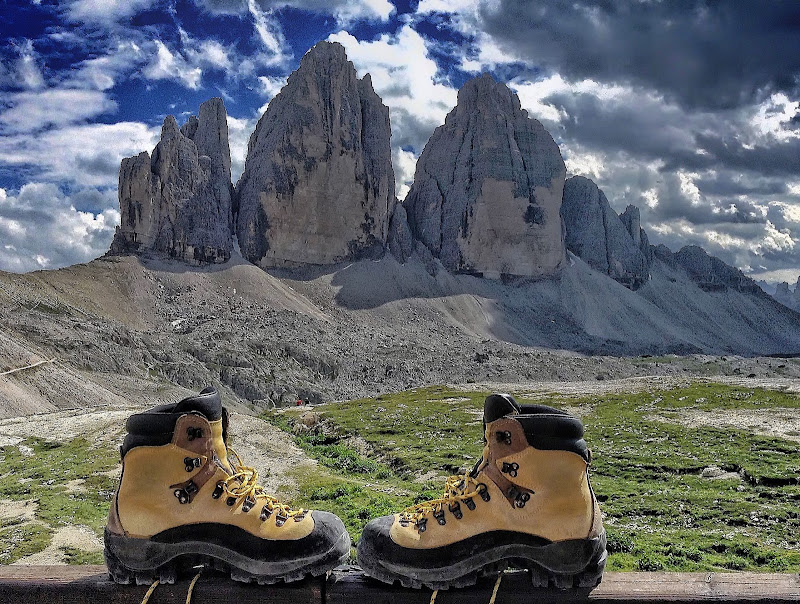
[457, 488]
[243, 483]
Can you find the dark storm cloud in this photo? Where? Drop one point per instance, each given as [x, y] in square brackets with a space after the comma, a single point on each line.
[638, 125]
[780, 158]
[727, 186]
[674, 203]
[714, 54]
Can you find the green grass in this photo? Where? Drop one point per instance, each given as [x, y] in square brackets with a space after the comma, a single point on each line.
[41, 477]
[660, 513]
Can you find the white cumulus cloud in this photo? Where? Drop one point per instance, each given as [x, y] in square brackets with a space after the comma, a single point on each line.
[40, 227]
[86, 155]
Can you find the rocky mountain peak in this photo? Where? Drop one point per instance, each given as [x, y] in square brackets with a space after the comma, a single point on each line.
[178, 201]
[485, 94]
[488, 186]
[711, 273]
[318, 184]
[614, 245]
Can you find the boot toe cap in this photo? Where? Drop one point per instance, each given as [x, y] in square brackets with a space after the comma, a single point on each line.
[376, 542]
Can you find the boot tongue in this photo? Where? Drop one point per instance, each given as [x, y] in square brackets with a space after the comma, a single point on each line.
[208, 402]
[497, 406]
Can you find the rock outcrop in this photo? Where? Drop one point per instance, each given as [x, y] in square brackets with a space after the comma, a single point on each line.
[711, 273]
[614, 245]
[783, 295]
[633, 224]
[318, 184]
[401, 241]
[488, 186]
[178, 202]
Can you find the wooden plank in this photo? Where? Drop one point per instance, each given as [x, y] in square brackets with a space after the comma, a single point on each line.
[347, 585]
[90, 584]
[351, 585]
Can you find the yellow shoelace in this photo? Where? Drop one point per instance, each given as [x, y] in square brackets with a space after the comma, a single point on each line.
[456, 489]
[243, 483]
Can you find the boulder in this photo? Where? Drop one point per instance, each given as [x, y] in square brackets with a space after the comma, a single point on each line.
[487, 188]
[178, 202]
[602, 239]
[318, 184]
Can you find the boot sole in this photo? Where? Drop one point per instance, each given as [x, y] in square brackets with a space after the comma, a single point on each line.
[571, 564]
[143, 561]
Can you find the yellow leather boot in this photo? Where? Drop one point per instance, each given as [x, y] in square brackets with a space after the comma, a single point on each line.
[182, 501]
[528, 501]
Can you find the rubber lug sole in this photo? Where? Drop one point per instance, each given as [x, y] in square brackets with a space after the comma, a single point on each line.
[142, 562]
[544, 564]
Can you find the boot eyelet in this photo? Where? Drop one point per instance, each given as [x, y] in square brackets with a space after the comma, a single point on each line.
[422, 524]
[192, 433]
[469, 503]
[440, 517]
[184, 495]
[231, 501]
[510, 469]
[192, 463]
[266, 512]
[483, 491]
[455, 509]
[280, 520]
[248, 505]
[504, 436]
[218, 490]
[301, 516]
[404, 522]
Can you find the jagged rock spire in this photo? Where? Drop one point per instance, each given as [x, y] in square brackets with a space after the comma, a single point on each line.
[614, 245]
[178, 202]
[318, 185]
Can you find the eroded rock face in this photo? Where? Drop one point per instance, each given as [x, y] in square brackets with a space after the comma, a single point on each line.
[633, 224]
[602, 239]
[401, 241]
[711, 273]
[487, 188]
[318, 184]
[178, 201]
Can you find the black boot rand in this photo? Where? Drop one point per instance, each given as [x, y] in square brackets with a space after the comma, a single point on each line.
[528, 501]
[183, 501]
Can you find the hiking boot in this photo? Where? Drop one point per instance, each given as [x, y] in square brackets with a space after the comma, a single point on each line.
[527, 501]
[185, 499]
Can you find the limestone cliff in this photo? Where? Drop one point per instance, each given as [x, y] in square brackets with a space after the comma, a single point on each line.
[487, 188]
[614, 245]
[318, 184]
[178, 201]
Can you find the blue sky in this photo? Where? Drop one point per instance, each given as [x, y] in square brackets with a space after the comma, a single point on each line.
[688, 109]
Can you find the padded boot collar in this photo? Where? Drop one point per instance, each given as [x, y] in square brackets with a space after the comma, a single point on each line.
[155, 426]
[545, 427]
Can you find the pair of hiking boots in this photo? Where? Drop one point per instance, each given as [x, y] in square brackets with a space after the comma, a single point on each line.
[185, 499]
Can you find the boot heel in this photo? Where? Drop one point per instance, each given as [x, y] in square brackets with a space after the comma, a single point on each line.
[119, 573]
[116, 571]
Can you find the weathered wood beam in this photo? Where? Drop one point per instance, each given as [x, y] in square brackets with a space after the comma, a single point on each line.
[90, 584]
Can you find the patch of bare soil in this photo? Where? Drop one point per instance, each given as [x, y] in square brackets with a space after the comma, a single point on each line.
[78, 537]
[19, 511]
[269, 450]
[779, 422]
